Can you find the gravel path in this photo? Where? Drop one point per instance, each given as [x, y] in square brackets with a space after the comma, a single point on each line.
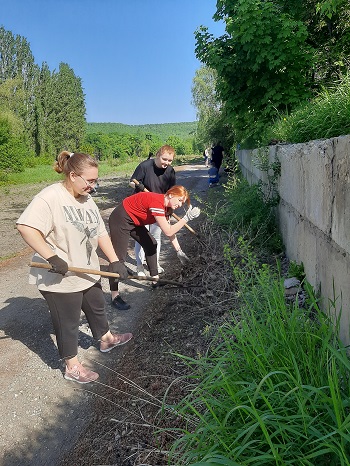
[41, 413]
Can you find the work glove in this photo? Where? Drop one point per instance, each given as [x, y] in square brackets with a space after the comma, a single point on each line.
[192, 212]
[119, 268]
[140, 186]
[182, 257]
[58, 265]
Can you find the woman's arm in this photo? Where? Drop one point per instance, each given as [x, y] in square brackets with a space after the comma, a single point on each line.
[106, 246]
[35, 239]
[167, 229]
[175, 243]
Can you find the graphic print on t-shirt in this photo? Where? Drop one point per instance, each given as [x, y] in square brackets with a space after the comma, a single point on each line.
[79, 218]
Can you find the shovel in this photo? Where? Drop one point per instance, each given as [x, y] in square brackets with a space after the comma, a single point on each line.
[160, 281]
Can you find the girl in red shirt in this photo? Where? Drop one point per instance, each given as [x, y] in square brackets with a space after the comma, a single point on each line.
[145, 208]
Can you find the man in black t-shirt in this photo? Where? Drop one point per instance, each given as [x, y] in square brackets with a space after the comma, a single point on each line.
[156, 175]
[217, 155]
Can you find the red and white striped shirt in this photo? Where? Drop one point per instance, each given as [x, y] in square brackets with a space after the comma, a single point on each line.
[143, 207]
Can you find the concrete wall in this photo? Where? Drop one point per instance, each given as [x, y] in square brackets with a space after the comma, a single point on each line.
[313, 214]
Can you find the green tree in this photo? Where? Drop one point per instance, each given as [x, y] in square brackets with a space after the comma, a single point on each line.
[13, 148]
[65, 109]
[51, 105]
[177, 144]
[262, 62]
[274, 56]
[212, 122]
[19, 74]
[45, 123]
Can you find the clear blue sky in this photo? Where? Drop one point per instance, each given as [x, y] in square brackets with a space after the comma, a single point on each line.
[135, 57]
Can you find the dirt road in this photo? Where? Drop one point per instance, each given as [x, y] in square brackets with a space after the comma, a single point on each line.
[42, 414]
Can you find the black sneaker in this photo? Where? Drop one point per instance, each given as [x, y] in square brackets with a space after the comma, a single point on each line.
[119, 303]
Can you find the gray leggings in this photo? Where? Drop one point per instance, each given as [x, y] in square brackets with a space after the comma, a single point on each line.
[65, 310]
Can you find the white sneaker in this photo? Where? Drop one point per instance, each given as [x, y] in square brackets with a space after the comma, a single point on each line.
[140, 271]
[160, 269]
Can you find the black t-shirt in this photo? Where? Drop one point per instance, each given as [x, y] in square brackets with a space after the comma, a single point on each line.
[155, 179]
[218, 152]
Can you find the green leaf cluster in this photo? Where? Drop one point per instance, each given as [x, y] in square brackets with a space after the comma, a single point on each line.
[325, 116]
[273, 57]
[13, 147]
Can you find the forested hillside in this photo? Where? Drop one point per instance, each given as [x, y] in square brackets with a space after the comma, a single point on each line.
[117, 141]
[184, 130]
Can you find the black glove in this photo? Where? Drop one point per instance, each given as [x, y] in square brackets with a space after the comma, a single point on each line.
[140, 186]
[58, 265]
[119, 268]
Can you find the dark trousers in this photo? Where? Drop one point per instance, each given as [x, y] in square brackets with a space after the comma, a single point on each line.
[65, 310]
[121, 228]
[217, 161]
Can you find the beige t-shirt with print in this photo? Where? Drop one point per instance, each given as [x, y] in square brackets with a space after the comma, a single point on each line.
[71, 227]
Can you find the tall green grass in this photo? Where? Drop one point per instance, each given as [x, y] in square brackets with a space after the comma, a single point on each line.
[244, 210]
[273, 389]
[326, 116]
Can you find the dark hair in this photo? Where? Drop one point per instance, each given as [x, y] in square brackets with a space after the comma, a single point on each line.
[76, 162]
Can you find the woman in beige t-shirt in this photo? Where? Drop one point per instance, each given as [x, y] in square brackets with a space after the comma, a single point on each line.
[64, 227]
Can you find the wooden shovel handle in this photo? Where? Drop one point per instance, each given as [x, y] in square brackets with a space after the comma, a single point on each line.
[176, 217]
[43, 265]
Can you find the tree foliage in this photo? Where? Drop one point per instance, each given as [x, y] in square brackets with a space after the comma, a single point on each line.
[212, 121]
[117, 140]
[122, 146]
[43, 112]
[50, 105]
[273, 56]
[66, 106]
[13, 148]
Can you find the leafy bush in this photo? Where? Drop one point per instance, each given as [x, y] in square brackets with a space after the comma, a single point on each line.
[12, 155]
[35, 161]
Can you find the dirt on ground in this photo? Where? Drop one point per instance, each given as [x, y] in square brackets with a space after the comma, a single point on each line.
[46, 420]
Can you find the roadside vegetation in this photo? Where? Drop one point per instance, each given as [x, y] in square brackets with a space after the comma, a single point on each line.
[273, 387]
[44, 172]
[326, 116]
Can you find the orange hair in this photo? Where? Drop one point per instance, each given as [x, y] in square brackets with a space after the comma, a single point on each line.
[166, 150]
[179, 191]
